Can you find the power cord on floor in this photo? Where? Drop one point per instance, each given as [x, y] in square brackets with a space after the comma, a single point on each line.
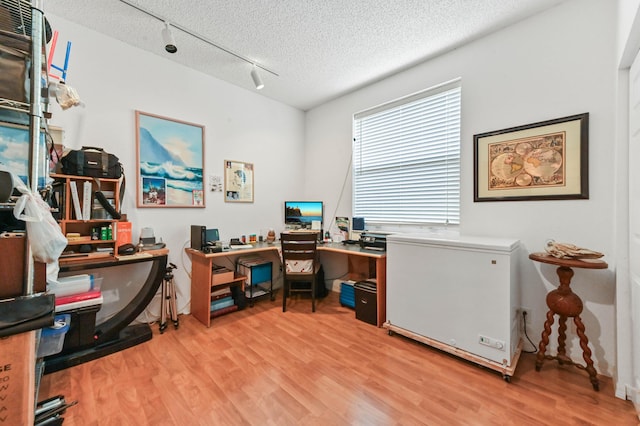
[524, 322]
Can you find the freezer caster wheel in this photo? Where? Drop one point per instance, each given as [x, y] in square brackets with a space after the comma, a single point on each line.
[390, 332]
[507, 378]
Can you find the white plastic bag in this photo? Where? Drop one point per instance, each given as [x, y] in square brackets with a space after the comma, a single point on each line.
[45, 237]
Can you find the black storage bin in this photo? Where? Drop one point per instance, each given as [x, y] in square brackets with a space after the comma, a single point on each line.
[366, 302]
[82, 329]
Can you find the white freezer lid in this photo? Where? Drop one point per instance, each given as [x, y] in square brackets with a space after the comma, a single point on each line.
[453, 239]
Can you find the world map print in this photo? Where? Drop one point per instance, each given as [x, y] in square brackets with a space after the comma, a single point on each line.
[537, 161]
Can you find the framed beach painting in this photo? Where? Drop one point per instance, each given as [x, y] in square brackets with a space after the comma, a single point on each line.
[15, 156]
[170, 167]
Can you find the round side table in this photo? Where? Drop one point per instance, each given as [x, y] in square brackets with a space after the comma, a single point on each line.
[566, 304]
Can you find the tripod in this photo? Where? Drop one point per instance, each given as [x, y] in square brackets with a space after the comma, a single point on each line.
[168, 299]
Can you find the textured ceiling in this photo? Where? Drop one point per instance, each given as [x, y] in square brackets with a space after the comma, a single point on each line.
[319, 49]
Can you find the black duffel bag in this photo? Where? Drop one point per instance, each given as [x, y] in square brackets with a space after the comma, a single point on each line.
[92, 162]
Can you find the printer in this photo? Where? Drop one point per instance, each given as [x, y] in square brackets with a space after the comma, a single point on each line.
[371, 241]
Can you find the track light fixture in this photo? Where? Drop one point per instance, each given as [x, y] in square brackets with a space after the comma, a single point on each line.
[169, 41]
[256, 78]
[170, 44]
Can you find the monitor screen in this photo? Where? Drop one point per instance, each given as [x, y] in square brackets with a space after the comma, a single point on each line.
[302, 213]
[212, 235]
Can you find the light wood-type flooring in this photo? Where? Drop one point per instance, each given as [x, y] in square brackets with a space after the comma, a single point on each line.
[261, 366]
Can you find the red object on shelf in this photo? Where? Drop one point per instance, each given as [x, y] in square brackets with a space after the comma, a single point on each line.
[123, 233]
[92, 294]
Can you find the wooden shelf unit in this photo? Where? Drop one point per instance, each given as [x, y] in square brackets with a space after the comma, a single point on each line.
[68, 222]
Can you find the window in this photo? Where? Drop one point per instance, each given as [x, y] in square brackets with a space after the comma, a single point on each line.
[406, 159]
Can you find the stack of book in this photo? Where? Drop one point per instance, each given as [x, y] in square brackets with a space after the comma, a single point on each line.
[77, 291]
[222, 302]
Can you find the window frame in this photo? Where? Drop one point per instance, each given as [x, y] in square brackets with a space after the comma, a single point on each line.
[452, 161]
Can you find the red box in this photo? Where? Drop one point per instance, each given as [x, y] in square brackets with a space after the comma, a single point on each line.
[123, 233]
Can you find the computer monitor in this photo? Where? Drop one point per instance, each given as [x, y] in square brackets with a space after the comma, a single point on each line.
[302, 214]
[212, 235]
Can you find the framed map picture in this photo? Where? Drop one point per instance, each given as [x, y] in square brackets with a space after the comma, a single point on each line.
[238, 182]
[169, 162]
[540, 161]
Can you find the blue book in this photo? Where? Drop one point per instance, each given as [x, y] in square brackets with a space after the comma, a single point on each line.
[222, 303]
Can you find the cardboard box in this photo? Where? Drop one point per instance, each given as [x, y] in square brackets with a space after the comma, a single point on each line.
[221, 275]
[18, 376]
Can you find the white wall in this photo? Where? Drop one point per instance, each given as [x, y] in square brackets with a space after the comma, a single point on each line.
[559, 63]
[628, 29]
[114, 79]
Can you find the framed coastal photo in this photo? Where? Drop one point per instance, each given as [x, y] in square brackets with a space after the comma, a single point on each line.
[238, 182]
[170, 168]
[548, 160]
[14, 153]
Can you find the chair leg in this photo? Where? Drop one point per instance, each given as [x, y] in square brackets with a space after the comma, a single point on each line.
[285, 290]
[313, 294]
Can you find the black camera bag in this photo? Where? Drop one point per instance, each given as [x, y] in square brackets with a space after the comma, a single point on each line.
[92, 162]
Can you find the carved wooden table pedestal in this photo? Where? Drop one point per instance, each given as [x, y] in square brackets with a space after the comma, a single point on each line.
[566, 304]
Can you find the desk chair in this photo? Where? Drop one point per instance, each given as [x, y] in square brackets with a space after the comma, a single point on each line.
[301, 264]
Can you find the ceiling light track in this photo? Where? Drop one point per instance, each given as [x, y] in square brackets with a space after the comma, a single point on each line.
[198, 36]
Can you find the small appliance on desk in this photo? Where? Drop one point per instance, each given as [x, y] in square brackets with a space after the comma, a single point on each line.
[148, 240]
[372, 241]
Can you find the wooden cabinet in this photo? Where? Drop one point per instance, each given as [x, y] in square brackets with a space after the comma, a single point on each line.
[96, 229]
[13, 266]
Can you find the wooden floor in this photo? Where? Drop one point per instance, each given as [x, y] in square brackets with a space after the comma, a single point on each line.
[261, 366]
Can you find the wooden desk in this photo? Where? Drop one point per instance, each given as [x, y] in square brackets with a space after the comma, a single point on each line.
[362, 263]
[565, 303]
[365, 264]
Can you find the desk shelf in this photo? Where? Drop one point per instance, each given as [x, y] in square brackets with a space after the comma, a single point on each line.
[236, 286]
[202, 289]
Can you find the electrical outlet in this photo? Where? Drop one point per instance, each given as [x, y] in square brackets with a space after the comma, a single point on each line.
[524, 318]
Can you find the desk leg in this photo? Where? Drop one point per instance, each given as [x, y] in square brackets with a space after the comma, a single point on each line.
[381, 290]
[201, 289]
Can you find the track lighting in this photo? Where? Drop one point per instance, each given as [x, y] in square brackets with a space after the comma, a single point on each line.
[170, 44]
[169, 41]
[256, 78]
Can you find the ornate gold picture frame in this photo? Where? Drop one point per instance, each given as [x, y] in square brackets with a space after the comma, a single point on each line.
[548, 160]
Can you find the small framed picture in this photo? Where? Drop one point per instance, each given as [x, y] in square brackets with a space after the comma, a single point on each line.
[238, 182]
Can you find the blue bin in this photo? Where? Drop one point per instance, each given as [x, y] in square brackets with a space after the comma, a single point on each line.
[347, 295]
[52, 338]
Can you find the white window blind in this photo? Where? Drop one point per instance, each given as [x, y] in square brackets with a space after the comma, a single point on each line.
[406, 159]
